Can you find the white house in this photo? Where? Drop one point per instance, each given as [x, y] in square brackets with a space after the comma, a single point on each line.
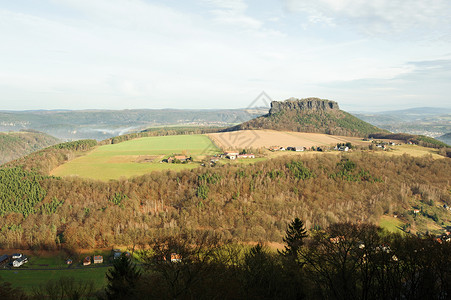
[20, 261]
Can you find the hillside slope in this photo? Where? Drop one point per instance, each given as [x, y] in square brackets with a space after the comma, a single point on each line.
[309, 115]
[17, 144]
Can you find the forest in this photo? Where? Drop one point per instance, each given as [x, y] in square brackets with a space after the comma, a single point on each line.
[244, 203]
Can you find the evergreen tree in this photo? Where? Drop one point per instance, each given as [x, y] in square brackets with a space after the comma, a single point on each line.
[294, 238]
[122, 279]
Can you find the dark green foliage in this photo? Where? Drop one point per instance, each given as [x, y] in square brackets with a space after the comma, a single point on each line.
[50, 208]
[347, 171]
[20, 191]
[208, 178]
[122, 279]
[299, 171]
[118, 199]
[294, 238]
[202, 191]
[80, 145]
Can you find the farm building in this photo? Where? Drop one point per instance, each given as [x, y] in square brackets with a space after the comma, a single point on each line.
[231, 154]
[4, 259]
[116, 253]
[20, 261]
[98, 259]
[245, 156]
[276, 148]
[16, 255]
[87, 261]
[69, 261]
[297, 149]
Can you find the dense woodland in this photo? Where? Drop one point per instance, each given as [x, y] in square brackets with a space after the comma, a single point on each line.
[17, 144]
[245, 203]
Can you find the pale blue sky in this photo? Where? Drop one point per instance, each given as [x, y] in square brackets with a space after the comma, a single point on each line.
[116, 54]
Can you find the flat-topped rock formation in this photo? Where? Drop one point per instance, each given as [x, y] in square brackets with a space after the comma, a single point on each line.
[309, 115]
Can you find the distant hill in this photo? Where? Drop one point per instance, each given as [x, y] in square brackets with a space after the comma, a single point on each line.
[428, 121]
[310, 115]
[446, 138]
[103, 124]
[14, 145]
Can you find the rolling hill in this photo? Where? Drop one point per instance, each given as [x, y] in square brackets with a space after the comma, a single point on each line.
[309, 115]
[17, 144]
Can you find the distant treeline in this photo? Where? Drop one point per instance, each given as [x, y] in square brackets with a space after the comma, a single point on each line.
[247, 203]
[163, 131]
[416, 139]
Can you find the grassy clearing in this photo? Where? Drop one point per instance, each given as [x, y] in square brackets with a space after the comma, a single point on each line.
[391, 224]
[413, 150]
[127, 158]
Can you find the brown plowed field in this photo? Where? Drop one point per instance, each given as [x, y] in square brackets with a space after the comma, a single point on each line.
[267, 138]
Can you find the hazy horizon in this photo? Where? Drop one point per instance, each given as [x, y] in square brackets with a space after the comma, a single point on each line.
[219, 54]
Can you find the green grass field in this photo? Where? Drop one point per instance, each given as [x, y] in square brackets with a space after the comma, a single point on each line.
[29, 279]
[137, 157]
[391, 224]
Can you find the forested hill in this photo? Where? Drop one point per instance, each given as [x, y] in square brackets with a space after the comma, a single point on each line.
[17, 144]
[309, 115]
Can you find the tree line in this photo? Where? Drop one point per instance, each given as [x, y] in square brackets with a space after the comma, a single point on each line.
[343, 261]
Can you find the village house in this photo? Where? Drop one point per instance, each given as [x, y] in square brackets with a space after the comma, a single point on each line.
[276, 148]
[20, 261]
[69, 261]
[231, 154]
[98, 259]
[343, 148]
[175, 257]
[87, 261]
[297, 149]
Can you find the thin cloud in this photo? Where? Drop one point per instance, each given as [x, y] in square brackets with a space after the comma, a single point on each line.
[377, 17]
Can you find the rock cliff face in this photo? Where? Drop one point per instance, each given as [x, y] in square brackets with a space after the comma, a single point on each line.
[308, 104]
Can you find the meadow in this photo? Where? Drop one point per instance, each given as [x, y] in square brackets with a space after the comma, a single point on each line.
[137, 157]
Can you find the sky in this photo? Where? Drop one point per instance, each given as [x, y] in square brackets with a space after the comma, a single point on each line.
[368, 55]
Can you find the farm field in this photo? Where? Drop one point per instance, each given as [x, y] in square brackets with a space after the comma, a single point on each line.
[137, 157]
[267, 138]
[414, 150]
[29, 279]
